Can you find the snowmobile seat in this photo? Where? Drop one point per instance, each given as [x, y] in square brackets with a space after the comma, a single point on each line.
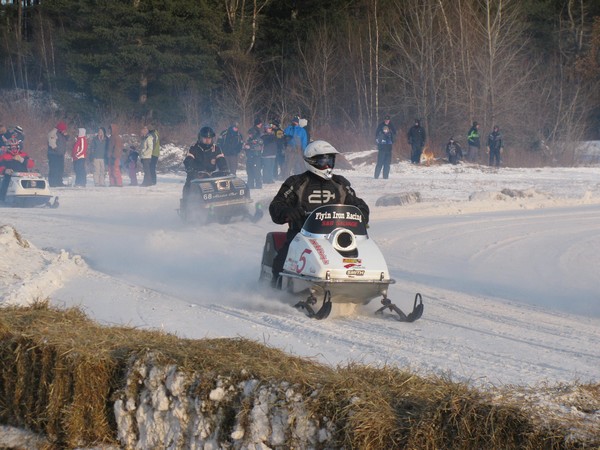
[279, 238]
[273, 242]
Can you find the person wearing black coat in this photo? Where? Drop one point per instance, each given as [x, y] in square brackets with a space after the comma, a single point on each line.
[384, 140]
[387, 122]
[269, 154]
[254, 149]
[495, 146]
[279, 166]
[416, 139]
[231, 143]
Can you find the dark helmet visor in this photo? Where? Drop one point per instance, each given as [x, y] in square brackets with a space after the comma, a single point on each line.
[323, 161]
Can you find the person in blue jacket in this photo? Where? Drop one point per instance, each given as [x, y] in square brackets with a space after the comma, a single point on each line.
[296, 141]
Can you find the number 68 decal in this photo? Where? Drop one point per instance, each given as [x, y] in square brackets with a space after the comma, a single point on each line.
[302, 260]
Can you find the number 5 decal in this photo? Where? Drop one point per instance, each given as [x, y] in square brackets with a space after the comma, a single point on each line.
[302, 260]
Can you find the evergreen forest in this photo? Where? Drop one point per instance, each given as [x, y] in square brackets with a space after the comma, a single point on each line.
[530, 66]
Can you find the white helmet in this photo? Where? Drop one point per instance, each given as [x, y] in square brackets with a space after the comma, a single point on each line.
[319, 157]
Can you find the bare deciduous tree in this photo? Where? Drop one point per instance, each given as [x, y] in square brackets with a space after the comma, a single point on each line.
[319, 69]
[459, 60]
[416, 37]
[239, 13]
[242, 95]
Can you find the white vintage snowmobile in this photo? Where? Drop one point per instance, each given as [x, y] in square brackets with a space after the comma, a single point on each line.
[217, 197]
[334, 261]
[29, 189]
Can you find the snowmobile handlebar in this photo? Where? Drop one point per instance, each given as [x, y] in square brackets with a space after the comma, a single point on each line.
[296, 215]
[200, 174]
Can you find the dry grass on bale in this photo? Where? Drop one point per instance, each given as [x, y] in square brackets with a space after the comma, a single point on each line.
[389, 408]
[60, 373]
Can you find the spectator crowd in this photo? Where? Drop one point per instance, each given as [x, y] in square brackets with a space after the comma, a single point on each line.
[270, 152]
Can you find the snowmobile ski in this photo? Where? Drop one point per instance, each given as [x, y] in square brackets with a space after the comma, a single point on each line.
[322, 312]
[416, 313]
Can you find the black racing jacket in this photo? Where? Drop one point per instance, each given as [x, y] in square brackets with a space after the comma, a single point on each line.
[204, 158]
[309, 191]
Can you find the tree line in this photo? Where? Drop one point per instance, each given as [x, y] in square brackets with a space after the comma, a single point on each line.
[530, 66]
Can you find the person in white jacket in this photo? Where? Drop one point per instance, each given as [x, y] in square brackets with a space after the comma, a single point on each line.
[146, 155]
[57, 147]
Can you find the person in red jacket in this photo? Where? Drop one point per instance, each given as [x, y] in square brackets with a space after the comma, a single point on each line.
[79, 154]
[14, 160]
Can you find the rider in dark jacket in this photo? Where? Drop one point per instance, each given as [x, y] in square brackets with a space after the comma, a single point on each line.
[203, 158]
[301, 194]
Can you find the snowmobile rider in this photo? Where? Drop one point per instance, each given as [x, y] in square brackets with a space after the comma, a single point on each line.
[203, 158]
[301, 194]
[14, 160]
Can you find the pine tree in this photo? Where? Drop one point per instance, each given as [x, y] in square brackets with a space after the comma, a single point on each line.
[139, 56]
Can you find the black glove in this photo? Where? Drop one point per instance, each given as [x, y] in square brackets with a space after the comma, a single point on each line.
[295, 215]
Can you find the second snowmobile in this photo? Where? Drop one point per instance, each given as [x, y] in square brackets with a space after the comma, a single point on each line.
[217, 197]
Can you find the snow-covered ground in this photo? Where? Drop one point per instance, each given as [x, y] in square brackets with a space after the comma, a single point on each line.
[510, 282]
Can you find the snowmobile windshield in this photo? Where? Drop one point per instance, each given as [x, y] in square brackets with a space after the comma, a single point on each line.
[325, 219]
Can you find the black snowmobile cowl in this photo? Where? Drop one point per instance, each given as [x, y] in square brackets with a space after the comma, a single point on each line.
[219, 198]
[217, 191]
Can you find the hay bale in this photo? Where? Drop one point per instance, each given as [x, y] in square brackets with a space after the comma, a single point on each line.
[80, 384]
[51, 383]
